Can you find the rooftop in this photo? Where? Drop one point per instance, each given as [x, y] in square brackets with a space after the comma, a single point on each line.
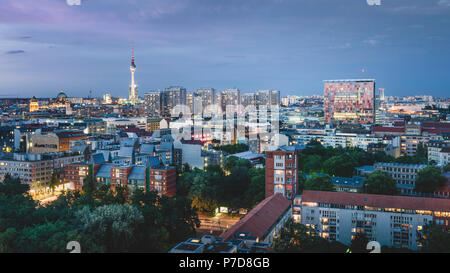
[375, 200]
[404, 165]
[261, 218]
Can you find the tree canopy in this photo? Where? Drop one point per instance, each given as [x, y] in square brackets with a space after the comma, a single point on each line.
[379, 182]
[429, 179]
[319, 183]
[101, 219]
[237, 185]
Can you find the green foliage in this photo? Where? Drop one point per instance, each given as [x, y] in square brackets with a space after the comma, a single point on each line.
[429, 179]
[301, 182]
[447, 168]
[12, 186]
[434, 239]
[111, 225]
[101, 220]
[406, 159]
[319, 183]
[54, 181]
[297, 238]
[233, 148]
[311, 163]
[339, 161]
[340, 165]
[379, 182]
[237, 185]
[421, 151]
[359, 244]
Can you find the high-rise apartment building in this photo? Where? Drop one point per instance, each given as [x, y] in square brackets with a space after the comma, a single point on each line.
[203, 97]
[248, 99]
[173, 96]
[153, 103]
[231, 97]
[349, 101]
[267, 97]
[281, 171]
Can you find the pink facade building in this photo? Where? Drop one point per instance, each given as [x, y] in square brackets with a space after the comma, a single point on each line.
[349, 101]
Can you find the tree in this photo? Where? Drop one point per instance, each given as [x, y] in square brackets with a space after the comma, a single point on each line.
[12, 186]
[434, 239]
[341, 165]
[319, 183]
[429, 179]
[54, 182]
[421, 151]
[16, 205]
[233, 148]
[186, 167]
[379, 182]
[297, 238]
[312, 163]
[256, 189]
[447, 168]
[301, 182]
[88, 182]
[359, 244]
[405, 159]
[112, 225]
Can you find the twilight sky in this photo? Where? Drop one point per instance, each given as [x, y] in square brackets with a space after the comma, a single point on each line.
[289, 45]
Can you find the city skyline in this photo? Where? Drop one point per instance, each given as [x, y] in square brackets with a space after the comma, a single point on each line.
[291, 46]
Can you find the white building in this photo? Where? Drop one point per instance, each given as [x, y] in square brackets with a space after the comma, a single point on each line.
[393, 221]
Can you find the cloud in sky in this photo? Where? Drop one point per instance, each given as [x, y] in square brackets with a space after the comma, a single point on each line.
[445, 3]
[15, 52]
[290, 45]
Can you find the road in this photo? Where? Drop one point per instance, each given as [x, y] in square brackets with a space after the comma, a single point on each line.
[217, 224]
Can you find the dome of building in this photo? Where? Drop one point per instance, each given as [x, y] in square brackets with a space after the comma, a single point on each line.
[61, 95]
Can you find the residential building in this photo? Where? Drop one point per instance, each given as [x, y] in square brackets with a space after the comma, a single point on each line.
[281, 171]
[163, 179]
[173, 96]
[263, 222]
[230, 97]
[393, 221]
[153, 103]
[404, 174]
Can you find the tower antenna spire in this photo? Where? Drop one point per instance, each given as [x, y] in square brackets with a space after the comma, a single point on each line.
[132, 49]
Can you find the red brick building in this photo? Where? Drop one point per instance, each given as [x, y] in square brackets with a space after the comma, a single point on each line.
[119, 175]
[163, 180]
[75, 173]
[281, 171]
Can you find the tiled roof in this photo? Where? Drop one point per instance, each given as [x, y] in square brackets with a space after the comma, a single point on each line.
[375, 200]
[260, 219]
[437, 125]
[388, 129]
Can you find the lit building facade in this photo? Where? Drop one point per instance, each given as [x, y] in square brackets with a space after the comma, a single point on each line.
[281, 171]
[393, 221]
[349, 101]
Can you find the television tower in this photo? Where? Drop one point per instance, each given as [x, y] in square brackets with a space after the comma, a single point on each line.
[133, 97]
